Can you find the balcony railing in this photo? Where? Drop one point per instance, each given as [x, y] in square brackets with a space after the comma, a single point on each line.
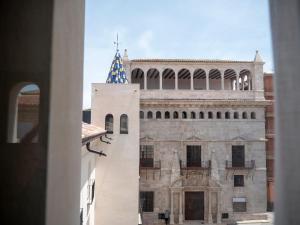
[203, 165]
[240, 165]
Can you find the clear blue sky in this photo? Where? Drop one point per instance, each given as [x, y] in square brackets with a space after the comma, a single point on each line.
[205, 29]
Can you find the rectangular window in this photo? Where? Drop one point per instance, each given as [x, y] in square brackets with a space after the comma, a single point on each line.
[193, 156]
[238, 180]
[146, 155]
[238, 156]
[239, 204]
[146, 200]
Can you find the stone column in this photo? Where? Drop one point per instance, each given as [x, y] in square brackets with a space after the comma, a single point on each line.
[145, 79]
[160, 79]
[180, 208]
[222, 79]
[172, 209]
[219, 207]
[176, 80]
[192, 82]
[237, 85]
[209, 208]
[207, 80]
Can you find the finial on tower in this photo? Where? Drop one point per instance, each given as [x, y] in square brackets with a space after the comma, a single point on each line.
[125, 56]
[257, 57]
[117, 43]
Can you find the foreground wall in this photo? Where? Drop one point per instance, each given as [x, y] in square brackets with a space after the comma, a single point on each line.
[117, 175]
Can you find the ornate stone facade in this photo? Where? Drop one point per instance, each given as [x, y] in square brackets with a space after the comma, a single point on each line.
[226, 109]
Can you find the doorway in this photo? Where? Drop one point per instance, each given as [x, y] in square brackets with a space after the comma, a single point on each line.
[194, 205]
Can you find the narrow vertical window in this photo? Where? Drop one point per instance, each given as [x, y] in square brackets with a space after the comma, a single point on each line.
[24, 108]
[109, 123]
[141, 115]
[147, 201]
[149, 115]
[175, 115]
[167, 115]
[227, 115]
[201, 115]
[235, 115]
[219, 115]
[184, 115]
[210, 115]
[124, 124]
[245, 116]
[193, 115]
[158, 115]
[253, 116]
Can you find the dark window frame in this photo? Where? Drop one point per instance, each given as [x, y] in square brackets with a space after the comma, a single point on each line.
[109, 123]
[147, 201]
[193, 156]
[238, 180]
[124, 124]
[146, 155]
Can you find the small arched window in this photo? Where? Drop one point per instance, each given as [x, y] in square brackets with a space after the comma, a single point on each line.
[149, 115]
[210, 115]
[158, 115]
[193, 115]
[23, 126]
[201, 115]
[253, 115]
[236, 115]
[184, 115]
[219, 115]
[109, 123]
[167, 115]
[175, 115]
[227, 115]
[245, 116]
[141, 115]
[124, 124]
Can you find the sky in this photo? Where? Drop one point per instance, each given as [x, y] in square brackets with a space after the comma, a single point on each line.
[193, 29]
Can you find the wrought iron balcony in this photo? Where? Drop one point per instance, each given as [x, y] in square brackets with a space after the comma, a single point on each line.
[240, 164]
[203, 165]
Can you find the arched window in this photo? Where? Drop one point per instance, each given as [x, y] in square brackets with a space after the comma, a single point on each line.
[219, 115]
[167, 115]
[236, 115]
[245, 116]
[141, 115]
[149, 115]
[158, 115]
[210, 115]
[184, 79]
[175, 115]
[230, 79]
[214, 79]
[227, 115]
[193, 115]
[168, 79]
[109, 123]
[137, 77]
[253, 116]
[184, 115]
[152, 79]
[124, 124]
[201, 115]
[23, 126]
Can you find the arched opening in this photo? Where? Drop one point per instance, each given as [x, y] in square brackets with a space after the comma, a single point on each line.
[168, 79]
[227, 115]
[219, 115]
[167, 115]
[236, 115]
[124, 124]
[175, 115]
[137, 77]
[245, 81]
[253, 115]
[184, 79]
[199, 79]
[141, 115]
[244, 115]
[158, 115]
[214, 79]
[109, 123]
[24, 109]
[201, 115]
[184, 115]
[153, 79]
[193, 115]
[230, 79]
[149, 115]
[210, 115]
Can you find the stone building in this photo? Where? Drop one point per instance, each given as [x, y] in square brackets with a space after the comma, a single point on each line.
[270, 134]
[202, 139]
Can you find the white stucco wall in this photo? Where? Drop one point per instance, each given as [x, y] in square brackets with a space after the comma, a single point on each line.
[117, 175]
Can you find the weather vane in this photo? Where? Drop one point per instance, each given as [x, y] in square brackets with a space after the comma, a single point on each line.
[117, 43]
